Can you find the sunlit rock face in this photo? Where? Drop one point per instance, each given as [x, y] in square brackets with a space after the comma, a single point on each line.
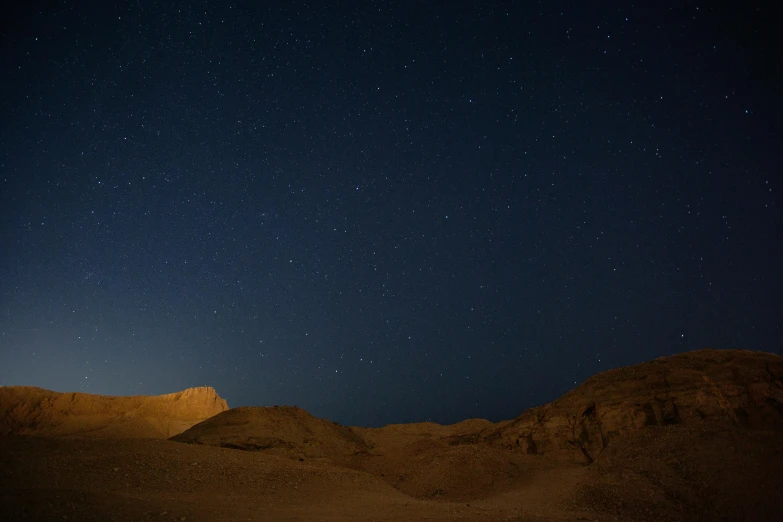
[739, 387]
[27, 410]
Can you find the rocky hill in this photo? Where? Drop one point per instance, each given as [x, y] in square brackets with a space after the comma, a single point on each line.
[731, 391]
[285, 430]
[734, 387]
[27, 410]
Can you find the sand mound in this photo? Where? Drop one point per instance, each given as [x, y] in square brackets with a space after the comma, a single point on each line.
[285, 430]
[34, 411]
[424, 460]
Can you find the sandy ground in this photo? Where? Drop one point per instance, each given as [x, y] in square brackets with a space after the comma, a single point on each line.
[58, 479]
[664, 473]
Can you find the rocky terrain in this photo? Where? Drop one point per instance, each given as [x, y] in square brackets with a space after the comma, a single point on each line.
[26, 410]
[696, 436]
[732, 387]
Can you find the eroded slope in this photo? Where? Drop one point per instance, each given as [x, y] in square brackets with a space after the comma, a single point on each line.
[733, 387]
[27, 410]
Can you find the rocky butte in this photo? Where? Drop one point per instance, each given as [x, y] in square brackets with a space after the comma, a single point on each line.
[27, 410]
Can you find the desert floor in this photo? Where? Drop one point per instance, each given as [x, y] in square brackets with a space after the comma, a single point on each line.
[652, 476]
[61, 479]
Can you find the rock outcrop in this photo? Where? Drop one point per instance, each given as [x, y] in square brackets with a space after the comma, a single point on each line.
[738, 387]
[27, 410]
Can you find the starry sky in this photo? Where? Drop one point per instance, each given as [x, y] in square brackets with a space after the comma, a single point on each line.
[384, 211]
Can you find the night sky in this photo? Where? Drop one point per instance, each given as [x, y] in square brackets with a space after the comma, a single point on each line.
[384, 212]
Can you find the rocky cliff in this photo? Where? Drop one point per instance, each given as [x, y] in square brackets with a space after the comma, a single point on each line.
[34, 411]
[737, 387]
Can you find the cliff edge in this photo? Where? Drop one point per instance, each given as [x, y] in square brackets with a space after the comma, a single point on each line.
[26, 410]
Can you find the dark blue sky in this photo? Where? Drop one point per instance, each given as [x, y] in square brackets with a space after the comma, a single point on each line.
[384, 212]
